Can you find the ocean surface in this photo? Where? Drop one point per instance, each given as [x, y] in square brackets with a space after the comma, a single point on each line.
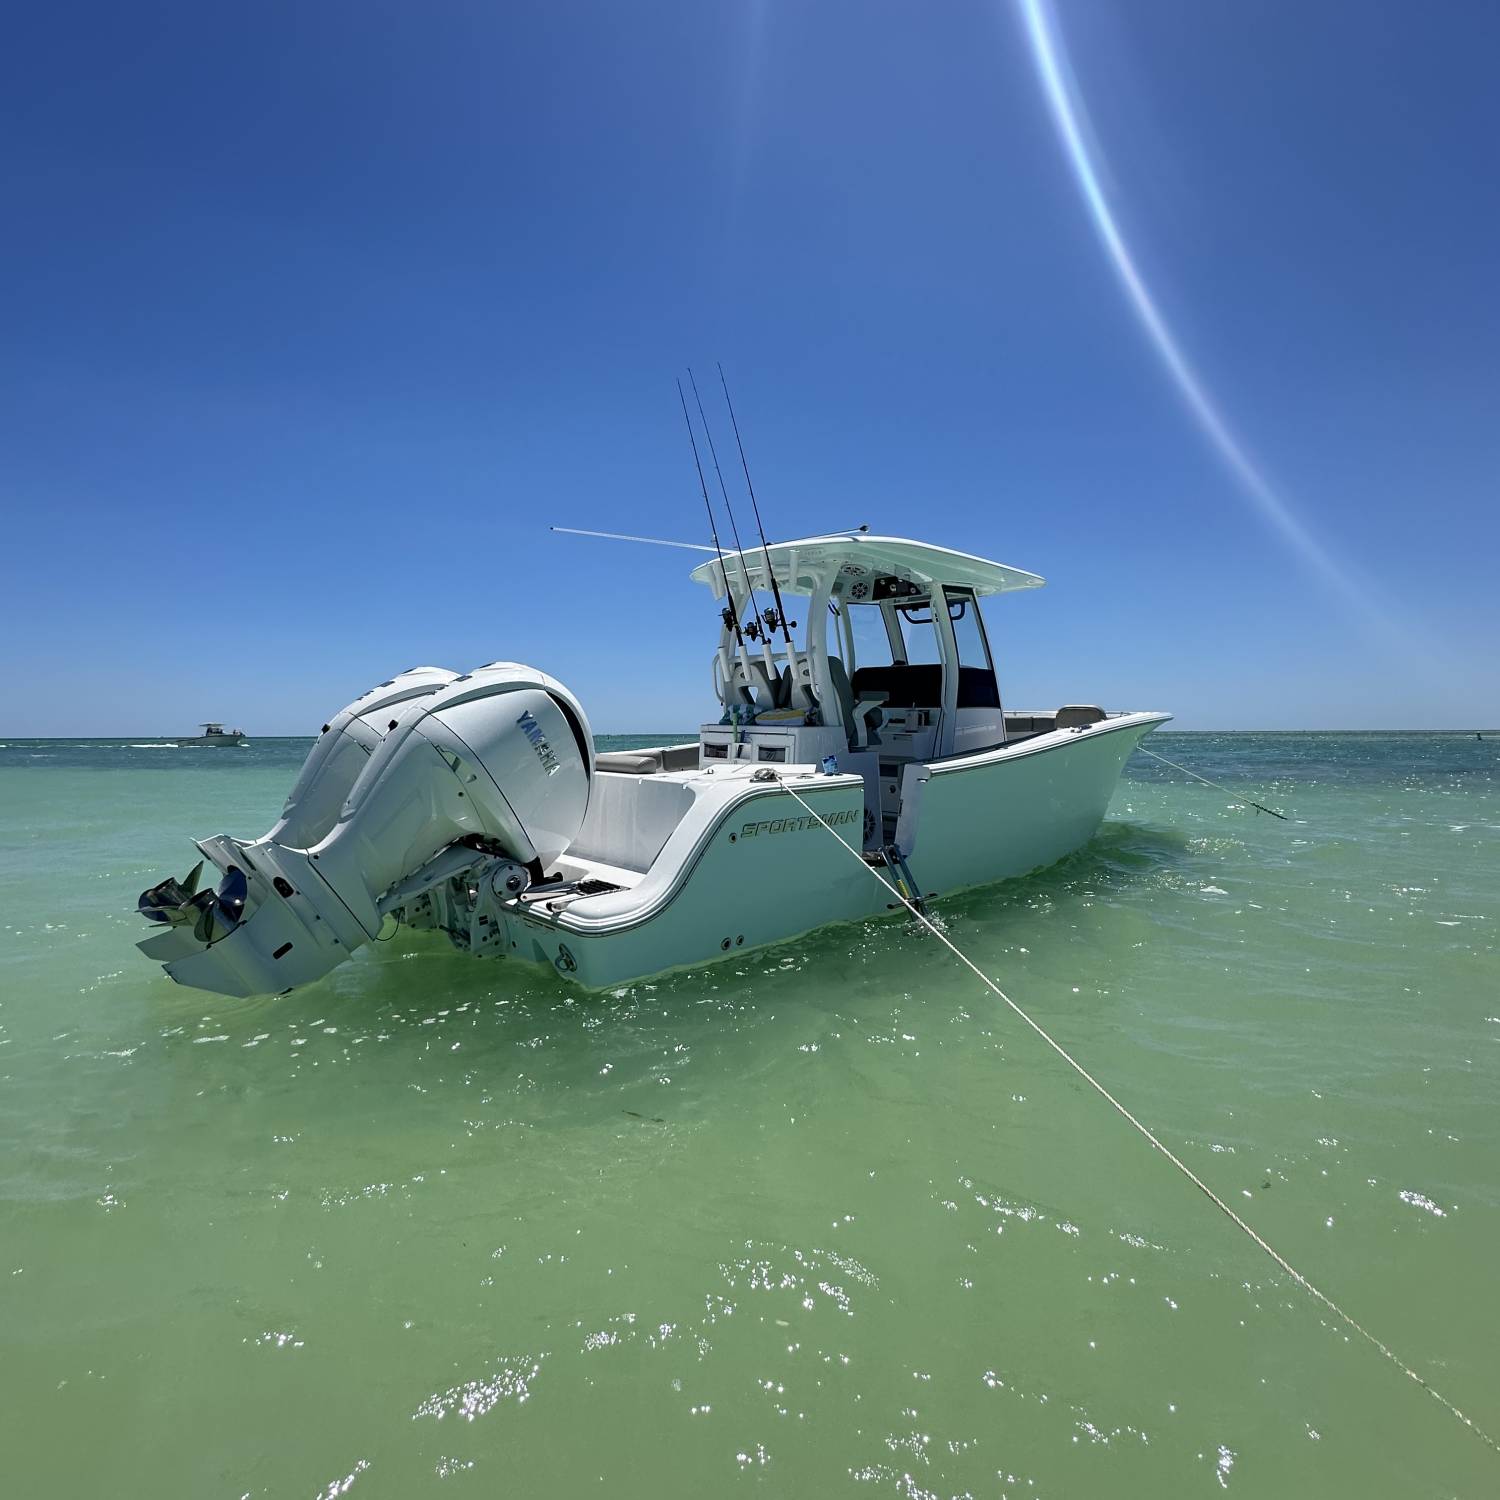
[823, 1220]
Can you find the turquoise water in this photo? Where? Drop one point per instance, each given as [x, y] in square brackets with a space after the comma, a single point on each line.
[824, 1220]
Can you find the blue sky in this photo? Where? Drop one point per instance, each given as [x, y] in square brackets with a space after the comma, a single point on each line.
[318, 314]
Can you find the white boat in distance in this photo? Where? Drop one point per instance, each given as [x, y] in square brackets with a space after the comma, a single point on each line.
[477, 805]
[214, 733]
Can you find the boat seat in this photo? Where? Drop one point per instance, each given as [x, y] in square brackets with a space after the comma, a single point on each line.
[784, 691]
[794, 687]
[752, 684]
[860, 714]
[648, 762]
[1078, 716]
[628, 762]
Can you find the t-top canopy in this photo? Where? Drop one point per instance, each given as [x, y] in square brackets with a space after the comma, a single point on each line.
[846, 559]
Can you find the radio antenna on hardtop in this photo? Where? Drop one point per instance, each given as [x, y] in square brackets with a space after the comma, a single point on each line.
[781, 618]
[620, 536]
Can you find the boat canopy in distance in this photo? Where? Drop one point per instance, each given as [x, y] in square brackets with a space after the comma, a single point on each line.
[842, 561]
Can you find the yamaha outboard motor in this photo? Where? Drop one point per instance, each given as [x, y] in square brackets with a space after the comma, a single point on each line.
[346, 742]
[495, 763]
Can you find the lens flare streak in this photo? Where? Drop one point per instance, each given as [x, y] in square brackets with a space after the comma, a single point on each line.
[1064, 102]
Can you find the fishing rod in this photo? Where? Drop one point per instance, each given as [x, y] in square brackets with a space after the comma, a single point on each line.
[730, 615]
[780, 612]
[756, 630]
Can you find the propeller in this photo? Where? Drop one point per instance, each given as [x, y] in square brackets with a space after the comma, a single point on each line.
[167, 901]
[233, 890]
[214, 914]
[219, 914]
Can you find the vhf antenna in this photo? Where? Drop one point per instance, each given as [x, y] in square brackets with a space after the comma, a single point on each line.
[731, 614]
[756, 630]
[780, 612]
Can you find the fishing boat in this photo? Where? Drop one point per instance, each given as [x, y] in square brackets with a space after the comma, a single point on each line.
[477, 805]
[215, 734]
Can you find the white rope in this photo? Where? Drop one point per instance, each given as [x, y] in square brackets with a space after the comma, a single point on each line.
[1176, 1161]
[1214, 784]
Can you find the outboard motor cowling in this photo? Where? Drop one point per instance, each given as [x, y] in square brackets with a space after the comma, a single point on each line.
[495, 763]
[346, 743]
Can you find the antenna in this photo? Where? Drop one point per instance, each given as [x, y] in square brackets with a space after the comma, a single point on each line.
[731, 614]
[756, 630]
[781, 618]
[620, 536]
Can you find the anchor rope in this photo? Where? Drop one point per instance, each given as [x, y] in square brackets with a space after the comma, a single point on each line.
[1120, 1109]
[1214, 784]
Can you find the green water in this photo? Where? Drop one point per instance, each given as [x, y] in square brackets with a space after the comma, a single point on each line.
[823, 1221]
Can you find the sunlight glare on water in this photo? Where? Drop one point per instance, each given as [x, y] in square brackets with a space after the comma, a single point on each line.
[821, 1219]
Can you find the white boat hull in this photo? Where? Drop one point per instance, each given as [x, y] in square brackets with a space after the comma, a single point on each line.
[835, 775]
[749, 867]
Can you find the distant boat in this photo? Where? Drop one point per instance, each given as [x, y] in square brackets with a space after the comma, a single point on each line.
[216, 734]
